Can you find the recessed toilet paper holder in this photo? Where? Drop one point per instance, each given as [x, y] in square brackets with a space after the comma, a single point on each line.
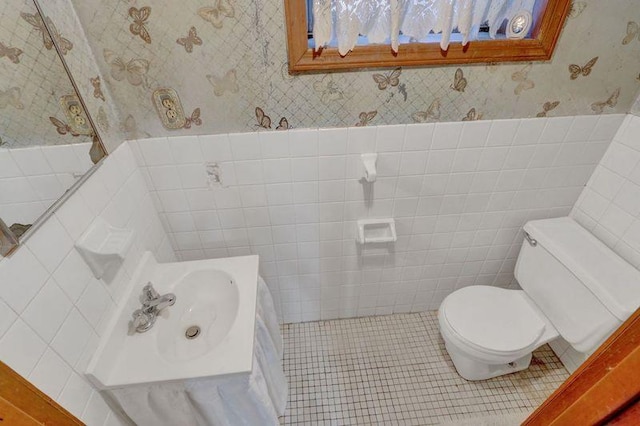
[376, 231]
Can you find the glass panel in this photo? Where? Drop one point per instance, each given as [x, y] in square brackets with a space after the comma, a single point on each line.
[46, 138]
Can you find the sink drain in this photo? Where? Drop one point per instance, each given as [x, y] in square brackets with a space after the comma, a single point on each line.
[192, 332]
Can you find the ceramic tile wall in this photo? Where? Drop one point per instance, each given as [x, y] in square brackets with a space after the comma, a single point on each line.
[31, 179]
[459, 193]
[609, 207]
[52, 309]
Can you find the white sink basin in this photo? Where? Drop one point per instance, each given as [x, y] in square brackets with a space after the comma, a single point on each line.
[209, 331]
[207, 304]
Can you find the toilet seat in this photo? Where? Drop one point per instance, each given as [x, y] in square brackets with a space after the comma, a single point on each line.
[492, 320]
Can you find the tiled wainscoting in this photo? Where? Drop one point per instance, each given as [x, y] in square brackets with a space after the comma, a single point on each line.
[609, 207]
[394, 370]
[52, 309]
[459, 193]
[610, 204]
[31, 179]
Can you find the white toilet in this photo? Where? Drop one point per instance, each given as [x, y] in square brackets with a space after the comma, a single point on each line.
[573, 286]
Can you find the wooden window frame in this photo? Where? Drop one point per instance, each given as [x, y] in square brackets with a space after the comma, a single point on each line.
[540, 47]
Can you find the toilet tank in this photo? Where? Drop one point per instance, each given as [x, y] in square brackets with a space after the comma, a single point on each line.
[582, 286]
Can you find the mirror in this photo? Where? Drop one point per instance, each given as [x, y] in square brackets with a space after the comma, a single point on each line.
[47, 141]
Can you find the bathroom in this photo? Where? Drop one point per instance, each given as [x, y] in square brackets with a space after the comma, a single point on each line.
[262, 161]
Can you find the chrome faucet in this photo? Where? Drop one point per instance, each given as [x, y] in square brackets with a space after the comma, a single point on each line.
[152, 304]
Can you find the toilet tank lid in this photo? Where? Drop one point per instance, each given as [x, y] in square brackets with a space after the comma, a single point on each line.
[609, 277]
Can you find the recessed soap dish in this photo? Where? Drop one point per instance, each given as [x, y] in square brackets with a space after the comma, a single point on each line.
[376, 231]
[103, 246]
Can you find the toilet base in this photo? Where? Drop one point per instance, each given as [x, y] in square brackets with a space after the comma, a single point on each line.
[472, 369]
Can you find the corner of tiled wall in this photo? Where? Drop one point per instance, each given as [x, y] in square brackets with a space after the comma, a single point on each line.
[571, 359]
[52, 309]
[609, 206]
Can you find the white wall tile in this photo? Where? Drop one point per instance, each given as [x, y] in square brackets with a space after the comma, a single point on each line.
[50, 244]
[21, 348]
[50, 374]
[185, 149]
[7, 317]
[529, 131]
[93, 302]
[459, 193]
[215, 148]
[474, 134]
[446, 136]
[72, 337]
[249, 172]
[32, 161]
[75, 216]
[96, 410]
[245, 146]
[47, 311]
[73, 275]
[361, 140]
[305, 169]
[165, 177]
[418, 137]
[303, 142]
[8, 166]
[155, 151]
[390, 138]
[75, 394]
[610, 203]
[273, 145]
[502, 132]
[330, 141]
[22, 277]
[413, 163]
[277, 170]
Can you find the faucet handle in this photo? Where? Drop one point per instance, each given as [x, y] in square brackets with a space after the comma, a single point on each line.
[142, 321]
[149, 293]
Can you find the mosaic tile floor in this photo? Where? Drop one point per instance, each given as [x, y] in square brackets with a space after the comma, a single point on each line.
[394, 370]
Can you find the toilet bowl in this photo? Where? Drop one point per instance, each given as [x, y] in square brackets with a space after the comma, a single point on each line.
[572, 286]
[490, 331]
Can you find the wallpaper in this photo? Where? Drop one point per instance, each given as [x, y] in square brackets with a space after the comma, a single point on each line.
[226, 60]
[86, 74]
[32, 80]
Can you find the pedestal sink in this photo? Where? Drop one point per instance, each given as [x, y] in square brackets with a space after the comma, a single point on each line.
[209, 331]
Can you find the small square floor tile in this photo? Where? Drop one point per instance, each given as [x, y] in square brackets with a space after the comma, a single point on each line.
[394, 370]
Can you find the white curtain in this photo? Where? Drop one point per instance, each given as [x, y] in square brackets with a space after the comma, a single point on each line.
[382, 20]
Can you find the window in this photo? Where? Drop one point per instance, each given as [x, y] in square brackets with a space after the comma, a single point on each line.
[539, 47]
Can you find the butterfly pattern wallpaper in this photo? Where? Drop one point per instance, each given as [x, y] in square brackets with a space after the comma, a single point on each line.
[32, 78]
[228, 58]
